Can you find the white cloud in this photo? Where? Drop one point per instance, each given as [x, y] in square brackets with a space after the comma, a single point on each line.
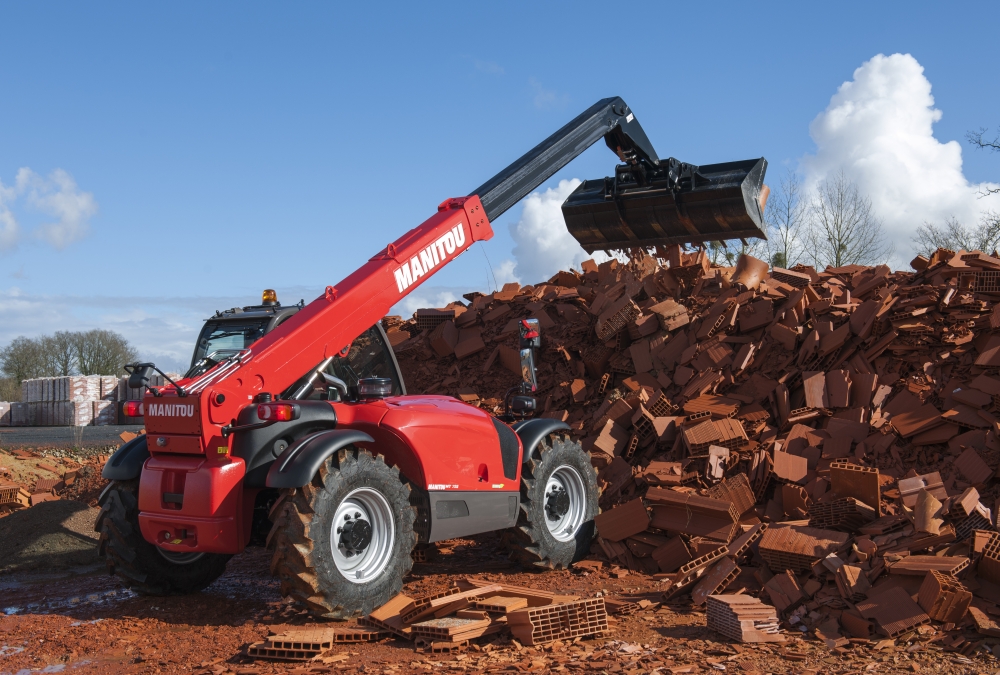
[58, 196]
[878, 129]
[9, 229]
[504, 272]
[427, 297]
[543, 245]
[546, 98]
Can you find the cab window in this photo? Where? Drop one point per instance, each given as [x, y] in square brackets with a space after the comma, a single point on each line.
[369, 356]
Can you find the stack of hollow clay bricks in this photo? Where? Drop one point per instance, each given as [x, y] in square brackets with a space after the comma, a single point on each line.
[824, 440]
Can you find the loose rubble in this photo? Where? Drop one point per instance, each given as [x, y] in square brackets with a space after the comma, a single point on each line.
[825, 441]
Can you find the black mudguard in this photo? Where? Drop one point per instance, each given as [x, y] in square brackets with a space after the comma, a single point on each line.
[127, 461]
[533, 431]
[297, 465]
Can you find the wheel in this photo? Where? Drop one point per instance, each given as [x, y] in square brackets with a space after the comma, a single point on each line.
[342, 543]
[555, 525]
[141, 566]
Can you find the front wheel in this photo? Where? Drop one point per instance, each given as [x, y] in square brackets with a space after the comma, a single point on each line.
[342, 543]
[555, 525]
[141, 566]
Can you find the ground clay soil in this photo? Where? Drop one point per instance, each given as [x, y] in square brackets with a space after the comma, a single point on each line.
[60, 611]
[52, 535]
[82, 621]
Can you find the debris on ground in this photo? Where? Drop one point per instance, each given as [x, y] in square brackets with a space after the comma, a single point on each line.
[824, 441]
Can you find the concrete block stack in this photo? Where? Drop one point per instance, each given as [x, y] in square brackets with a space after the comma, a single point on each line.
[75, 400]
[816, 438]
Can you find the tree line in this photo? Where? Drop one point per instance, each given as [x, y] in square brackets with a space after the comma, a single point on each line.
[92, 352]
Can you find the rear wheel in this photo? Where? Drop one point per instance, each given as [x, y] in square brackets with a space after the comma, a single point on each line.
[141, 566]
[342, 543]
[555, 525]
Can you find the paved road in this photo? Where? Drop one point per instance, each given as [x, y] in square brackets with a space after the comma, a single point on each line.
[64, 437]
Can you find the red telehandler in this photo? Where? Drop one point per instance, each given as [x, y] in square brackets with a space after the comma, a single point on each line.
[300, 412]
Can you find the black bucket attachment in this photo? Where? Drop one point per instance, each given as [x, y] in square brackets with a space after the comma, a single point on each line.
[675, 203]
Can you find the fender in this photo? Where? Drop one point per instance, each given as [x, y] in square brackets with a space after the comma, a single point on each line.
[533, 431]
[127, 461]
[297, 465]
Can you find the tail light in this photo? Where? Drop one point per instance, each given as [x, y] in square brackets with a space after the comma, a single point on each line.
[374, 387]
[278, 412]
[132, 409]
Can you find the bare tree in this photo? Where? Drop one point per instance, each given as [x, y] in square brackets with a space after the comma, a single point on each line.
[954, 236]
[843, 228]
[784, 216]
[22, 359]
[979, 140]
[103, 352]
[726, 253]
[60, 352]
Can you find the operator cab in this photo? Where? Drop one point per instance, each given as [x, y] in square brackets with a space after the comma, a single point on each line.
[229, 332]
[226, 333]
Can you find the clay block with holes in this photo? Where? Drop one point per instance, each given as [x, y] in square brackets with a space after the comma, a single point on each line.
[989, 563]
[972, 467]
[728, 433]
[743, 618]
[389, 616]
[841, 514]
[616, 317]
[735, 489]
[427, 606]
[715, 580]
[814, 383]
[429, 319]
[500, 604]
[740, 546]
[784, 591]
[910, 487]
[535, 597]
[452, 628]
[919, 565]
[541, 625]
[622, 521]
[859, 482]
[444, 338]
[672, 555]
[894, 612]
[943, 597]
[692, 515]
[798, 548]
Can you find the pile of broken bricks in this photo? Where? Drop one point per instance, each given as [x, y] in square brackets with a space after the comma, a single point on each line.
[824, 441]
[18, 494]
[445, 622]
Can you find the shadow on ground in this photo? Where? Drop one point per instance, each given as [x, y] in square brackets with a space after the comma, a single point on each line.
[52, 535]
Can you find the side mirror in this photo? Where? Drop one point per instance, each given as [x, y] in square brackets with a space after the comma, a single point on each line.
[523, 404]
[140, 375]
[528, 375]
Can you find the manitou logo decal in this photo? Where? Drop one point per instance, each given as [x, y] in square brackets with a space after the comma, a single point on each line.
[170, 410]
[429, 258]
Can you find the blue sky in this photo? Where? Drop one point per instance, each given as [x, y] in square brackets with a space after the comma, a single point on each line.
[228, 147]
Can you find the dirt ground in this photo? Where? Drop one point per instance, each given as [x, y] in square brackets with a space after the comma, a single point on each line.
[60, 612]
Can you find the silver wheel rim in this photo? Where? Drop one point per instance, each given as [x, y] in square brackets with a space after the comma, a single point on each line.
[368, 505]
[179, 557]
[565, 479]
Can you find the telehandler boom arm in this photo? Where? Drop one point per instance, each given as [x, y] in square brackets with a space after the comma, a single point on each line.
[328, 324]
